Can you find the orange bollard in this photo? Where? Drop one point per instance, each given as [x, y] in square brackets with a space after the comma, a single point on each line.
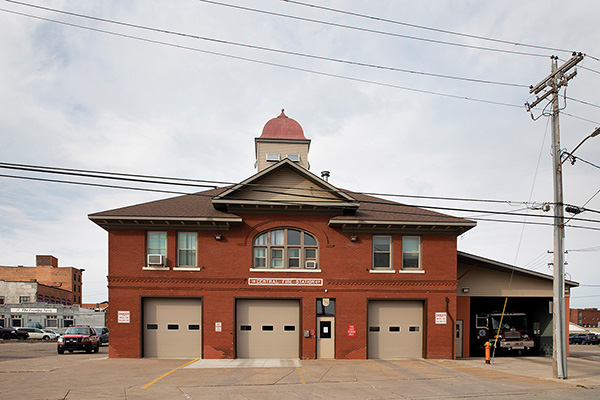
[488, 356]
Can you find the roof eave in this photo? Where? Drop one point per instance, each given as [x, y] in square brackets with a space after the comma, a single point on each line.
[415, 226]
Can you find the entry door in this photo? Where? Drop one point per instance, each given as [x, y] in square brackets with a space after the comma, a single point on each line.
[459, 338]
[326, 337]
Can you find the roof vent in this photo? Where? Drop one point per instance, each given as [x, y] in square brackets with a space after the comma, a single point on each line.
[325, 175]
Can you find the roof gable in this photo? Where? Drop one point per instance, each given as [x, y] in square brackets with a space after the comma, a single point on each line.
[284, 185]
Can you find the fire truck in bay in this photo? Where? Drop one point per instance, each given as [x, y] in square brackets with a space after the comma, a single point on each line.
[510, 330]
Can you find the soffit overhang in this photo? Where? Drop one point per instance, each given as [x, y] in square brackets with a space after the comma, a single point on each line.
[195, 223]
[405, 227]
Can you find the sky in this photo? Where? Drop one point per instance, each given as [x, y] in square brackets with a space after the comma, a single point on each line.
[182, 88]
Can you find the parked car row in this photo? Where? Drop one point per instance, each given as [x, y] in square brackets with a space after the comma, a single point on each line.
[40, 334]
[12, 333]
[584, 338]
[23, 333]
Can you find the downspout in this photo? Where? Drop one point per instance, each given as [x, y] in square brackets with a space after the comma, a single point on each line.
[453, 330]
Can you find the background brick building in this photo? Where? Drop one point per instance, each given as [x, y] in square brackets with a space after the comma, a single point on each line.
[46, 282]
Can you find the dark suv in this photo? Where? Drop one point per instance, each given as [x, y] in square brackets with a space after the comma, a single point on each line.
[79, 338]
[583, 338]
[12, 333]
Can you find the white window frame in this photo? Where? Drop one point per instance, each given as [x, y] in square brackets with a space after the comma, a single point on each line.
[284, 247]
[389, 252]
[156, 250]
[273, 157]
[419, 254]
[181, 249]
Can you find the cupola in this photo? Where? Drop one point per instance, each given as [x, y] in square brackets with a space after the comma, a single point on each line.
[282, 137]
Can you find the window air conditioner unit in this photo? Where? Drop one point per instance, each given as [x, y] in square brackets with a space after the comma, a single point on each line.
[311, 264]
[157, 259]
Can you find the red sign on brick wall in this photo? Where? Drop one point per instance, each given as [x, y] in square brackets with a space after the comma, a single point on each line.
[351, 330]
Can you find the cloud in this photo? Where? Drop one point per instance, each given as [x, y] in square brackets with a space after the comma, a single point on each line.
[82, 99]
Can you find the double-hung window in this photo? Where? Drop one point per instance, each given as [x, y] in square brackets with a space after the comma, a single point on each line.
[285, 248]
[187, 246]
[157, 243]
[382, 252]
[411, 252]
[156, 250]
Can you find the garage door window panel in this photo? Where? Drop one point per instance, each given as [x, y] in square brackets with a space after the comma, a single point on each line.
[285, 248]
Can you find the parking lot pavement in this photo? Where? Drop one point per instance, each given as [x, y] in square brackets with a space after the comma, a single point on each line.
[35, 371]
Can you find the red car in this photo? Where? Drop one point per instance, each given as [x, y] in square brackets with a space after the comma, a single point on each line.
[79, 338]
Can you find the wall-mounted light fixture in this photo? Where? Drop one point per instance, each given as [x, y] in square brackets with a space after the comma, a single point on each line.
[465, 290]
[353, 238]
[218, 236]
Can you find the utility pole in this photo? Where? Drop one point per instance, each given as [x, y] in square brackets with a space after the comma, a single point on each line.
[554, 82]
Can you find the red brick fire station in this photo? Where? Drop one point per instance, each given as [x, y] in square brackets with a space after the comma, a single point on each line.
[282, 265]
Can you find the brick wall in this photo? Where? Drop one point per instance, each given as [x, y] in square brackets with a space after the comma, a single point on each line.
[226, 264]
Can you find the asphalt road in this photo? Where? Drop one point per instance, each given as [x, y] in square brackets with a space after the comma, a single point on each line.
[33, 370]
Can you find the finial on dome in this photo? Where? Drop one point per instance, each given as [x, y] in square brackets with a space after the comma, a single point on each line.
[282, 115]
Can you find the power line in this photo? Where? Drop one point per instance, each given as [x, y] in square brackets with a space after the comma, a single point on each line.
[271, 189]
[213, 183]
[583, 67]
[253, 60]
[374, 31]
[580, 118]
[582, 102]
[273, 50]
[584, 161]
[512, 43]
[283, 202]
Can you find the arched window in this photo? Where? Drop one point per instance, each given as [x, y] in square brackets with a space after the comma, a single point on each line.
[285, 248]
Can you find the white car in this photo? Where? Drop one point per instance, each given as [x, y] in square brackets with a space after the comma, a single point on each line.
[53, 335]
[35, 333]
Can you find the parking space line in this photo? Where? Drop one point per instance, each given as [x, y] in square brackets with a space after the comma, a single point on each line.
[300, 372]
[171, 371]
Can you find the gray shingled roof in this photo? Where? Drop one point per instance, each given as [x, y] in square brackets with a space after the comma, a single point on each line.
[199, 205]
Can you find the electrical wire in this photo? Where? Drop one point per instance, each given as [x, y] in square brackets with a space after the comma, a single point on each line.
[580, 118]
[279, 51]
[375, 31]
[537, 168]
[40, 168]
[275, 190]
[284, 202]
[583, 67]
[512, 43]
[582, 102]
[257, 61]
[584, 161]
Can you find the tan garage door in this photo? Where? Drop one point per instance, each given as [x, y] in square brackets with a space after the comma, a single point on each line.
[268, 328]
[172, 328]
[395, 329]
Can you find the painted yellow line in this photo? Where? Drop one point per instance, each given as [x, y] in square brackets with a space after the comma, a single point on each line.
[300, 372]
[171, 371]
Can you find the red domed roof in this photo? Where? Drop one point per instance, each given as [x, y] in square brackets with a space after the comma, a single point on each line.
[282, 127]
